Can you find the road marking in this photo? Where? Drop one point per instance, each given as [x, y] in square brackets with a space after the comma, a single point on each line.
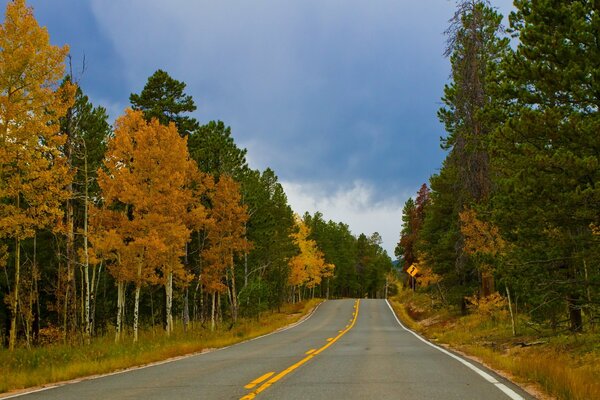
[509, 392]
[329, 339]
[310, 351]
[56, 385]
[259, 380]
[291, 368]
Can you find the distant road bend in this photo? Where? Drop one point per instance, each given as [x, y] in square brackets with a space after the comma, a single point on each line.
[348, 349]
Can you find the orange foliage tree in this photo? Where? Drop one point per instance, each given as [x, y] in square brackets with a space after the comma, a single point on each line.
[226, 233]
[32, 170]
[148, 208]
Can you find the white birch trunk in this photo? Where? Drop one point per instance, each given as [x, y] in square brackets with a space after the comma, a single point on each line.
[120, 306]
[136, 312]
[169, 305]
[86, 261]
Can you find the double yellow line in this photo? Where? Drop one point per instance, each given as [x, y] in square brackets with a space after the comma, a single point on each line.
[289, 369]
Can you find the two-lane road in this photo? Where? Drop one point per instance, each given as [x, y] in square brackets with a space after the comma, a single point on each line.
[345, 350]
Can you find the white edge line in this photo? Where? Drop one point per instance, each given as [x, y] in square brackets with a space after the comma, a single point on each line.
[155, 364]
[509, 392]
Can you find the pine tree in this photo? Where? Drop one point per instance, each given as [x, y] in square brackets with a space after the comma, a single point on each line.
[87, 131]
[475, 47]
[216, 153]
[163, 98]
[547, 155]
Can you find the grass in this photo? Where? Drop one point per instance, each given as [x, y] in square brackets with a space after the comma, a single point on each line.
[37, 366]
[563, 366]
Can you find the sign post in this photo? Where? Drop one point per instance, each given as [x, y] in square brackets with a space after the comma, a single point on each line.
[413, 271]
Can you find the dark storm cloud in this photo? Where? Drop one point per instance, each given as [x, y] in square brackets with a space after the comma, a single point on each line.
[329, 93]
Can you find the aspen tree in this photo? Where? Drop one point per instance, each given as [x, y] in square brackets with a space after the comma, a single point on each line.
[227, 236]
[147, 198]
[32, 170]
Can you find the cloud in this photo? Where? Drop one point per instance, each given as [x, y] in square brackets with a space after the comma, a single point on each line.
[321, 91]
[330, 89]
[354, 204]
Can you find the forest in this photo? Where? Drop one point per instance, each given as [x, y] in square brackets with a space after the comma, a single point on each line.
[153, 221]
[512, 218]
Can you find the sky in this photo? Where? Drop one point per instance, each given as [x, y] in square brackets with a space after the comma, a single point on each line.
[338, 97]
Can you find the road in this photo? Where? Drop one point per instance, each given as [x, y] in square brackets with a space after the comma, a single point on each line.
[347, 349]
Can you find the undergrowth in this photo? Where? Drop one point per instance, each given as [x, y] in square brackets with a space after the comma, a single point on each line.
[563, 365]
[37, 366]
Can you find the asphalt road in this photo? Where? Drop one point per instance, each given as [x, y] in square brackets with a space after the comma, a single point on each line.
[337, 353]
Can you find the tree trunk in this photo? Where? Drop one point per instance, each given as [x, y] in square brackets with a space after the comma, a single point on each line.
[169, 301]
[245, 268]
[93, 294]
[512, 316]
[588, 294]
[136, 312]
[120, 307]
[186, 310]
[212, 313]
[36, 278]
[234, 302]
[574, 304]
[70, 294]
[15, 295]
[86, 261]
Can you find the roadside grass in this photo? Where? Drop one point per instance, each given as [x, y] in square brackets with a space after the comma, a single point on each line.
[38, 366]
[563, 366]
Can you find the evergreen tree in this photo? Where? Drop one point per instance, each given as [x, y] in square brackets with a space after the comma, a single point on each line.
[547, 156]
[163, 98]
[475, 48]
[215, 151]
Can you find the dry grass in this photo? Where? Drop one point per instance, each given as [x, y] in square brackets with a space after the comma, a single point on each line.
[25, 368]
[563, 366]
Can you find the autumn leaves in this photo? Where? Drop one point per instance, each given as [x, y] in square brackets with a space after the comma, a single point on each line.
[308, 268]
[33, 173]
[130, 201]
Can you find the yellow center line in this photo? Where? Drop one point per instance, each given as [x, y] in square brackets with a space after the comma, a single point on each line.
[310, 351]
[289, 369]
[259, 380]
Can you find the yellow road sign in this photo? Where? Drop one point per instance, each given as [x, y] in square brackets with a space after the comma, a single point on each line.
[412, 270]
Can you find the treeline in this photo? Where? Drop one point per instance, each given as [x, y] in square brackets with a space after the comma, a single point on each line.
[155, 221]
[513, 215]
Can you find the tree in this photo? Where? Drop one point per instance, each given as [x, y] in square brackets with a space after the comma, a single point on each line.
[147, 198]
[32, 168]
[476, 47]
[270, 223]
[547, 154]
[308, 267]
[215, 151]
[163, 98]
[413, 216]
[87, 131]
[226, 232]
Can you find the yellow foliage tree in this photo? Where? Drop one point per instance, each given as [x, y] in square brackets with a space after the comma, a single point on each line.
[148, 203]
[308, 267]
[32, 170]
[226, 232]
[481, 239]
